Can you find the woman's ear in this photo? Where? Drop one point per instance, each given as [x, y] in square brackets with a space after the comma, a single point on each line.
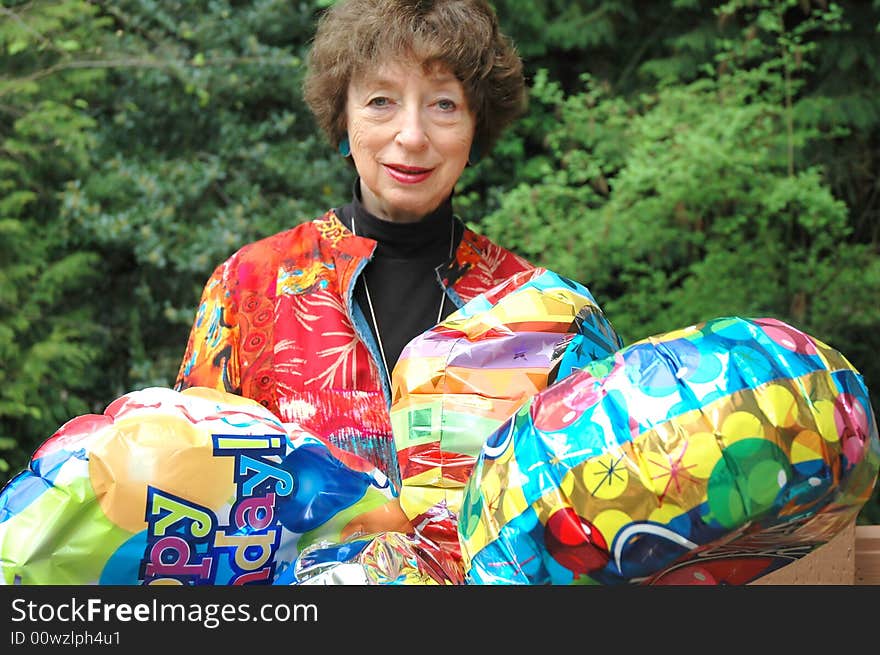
[474, 154]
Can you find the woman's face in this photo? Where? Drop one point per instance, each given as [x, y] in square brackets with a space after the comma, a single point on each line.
[410, 134]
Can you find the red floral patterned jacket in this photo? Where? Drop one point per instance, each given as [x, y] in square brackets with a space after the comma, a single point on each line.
[277, 323]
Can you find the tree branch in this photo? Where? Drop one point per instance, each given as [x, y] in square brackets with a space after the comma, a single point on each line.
[146, 62]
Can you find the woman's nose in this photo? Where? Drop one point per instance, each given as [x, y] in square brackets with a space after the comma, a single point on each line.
[411, 133]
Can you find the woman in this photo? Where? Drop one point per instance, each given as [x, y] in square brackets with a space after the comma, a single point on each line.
[311, 321]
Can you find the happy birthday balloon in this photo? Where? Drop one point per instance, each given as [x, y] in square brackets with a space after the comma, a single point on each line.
[193, 487]
[714, 454]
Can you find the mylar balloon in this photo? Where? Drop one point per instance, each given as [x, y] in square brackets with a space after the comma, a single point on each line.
[386, 558]
[713, 454]
[192, 487]
[456, 383]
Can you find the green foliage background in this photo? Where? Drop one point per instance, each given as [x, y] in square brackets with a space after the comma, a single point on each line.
[685, 160]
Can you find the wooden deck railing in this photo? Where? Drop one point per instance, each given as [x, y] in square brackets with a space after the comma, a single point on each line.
[851, 558]
[867, 547]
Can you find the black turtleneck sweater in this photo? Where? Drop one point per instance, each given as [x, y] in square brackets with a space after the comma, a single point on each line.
[402, 276]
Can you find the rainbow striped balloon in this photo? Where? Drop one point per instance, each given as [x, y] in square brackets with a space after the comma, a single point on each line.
[456, 383]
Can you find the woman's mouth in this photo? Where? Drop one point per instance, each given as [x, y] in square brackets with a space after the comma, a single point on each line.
[407, 174]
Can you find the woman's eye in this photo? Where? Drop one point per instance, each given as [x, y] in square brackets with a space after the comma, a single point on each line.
[379, 101]
[446, 105]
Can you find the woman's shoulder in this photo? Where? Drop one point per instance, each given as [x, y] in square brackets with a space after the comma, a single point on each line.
[487, 251]
[284, 245]
[481, 264]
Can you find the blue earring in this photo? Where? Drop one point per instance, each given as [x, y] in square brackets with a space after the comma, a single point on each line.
[474, 154]
[344, 147]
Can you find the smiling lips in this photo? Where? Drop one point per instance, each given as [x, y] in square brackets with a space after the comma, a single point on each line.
[408, 174]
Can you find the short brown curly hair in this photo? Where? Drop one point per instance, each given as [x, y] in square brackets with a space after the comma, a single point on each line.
[355, 36]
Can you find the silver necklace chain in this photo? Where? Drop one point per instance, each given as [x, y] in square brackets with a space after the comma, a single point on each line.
[370, 300]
